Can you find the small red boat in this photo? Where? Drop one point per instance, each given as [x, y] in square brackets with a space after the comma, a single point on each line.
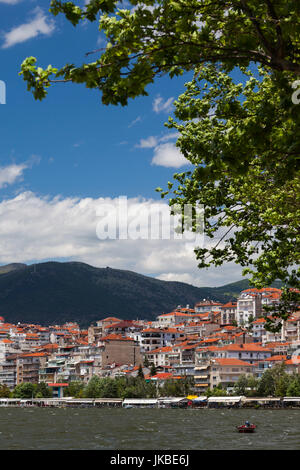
[246, 428]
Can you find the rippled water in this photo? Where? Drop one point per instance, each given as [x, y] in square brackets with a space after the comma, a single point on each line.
[142, 429]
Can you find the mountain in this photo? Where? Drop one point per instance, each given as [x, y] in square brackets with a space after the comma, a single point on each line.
[11, 267]
[53, 292]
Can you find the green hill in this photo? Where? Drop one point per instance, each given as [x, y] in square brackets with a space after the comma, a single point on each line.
[53, 292]
[11, 267]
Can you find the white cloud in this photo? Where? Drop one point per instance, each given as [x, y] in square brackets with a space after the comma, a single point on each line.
[168, 155]
[11, 173]
[165, 153]
[135, 121]
[167, 137]
[39, 24]
[34, 228]
[159, 105]
[212, 277]
[10, 2]
[150, 142]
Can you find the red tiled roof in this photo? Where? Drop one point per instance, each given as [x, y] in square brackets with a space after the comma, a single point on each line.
[37, 354]
[295, 360]
[274, 344]
[276, 358]
[124, 324]
[163, 376]
[165, 349]
[229, 304]
[114, 337]
[245, 347]
[259, 320]
[231, 362]
[49, 346]
[114, 319]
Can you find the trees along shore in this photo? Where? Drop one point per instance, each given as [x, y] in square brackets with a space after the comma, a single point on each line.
[274, 382]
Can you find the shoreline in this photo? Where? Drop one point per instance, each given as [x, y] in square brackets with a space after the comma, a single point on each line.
[285, 403]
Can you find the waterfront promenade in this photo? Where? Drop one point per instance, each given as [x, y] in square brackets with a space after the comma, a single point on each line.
[165, 402]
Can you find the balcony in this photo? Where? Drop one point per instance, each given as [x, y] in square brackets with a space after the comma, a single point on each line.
[202, 386]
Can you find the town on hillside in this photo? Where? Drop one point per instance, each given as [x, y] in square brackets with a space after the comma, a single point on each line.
[212, 347]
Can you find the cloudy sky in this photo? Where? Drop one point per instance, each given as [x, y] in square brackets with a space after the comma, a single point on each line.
[66, 159]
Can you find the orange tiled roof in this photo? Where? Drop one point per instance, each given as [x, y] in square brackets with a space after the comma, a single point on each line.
[114, 319]
[276, 358]
[259, 320]
[293, 361]
[274, 344]
[115, 337]
[165, 349]
[37, 354]
[245, 347]
[163, 376]
[231, 362]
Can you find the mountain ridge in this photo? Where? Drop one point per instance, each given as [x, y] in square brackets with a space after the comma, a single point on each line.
[55, 292]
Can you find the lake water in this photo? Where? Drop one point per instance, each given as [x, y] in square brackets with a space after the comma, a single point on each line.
[144, 429]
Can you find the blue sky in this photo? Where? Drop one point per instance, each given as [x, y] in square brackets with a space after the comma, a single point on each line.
[70, 151]
[89, 145]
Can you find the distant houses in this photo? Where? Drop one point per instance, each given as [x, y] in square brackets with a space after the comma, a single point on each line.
[213, 344]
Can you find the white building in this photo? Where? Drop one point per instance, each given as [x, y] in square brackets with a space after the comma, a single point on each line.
[249, 306]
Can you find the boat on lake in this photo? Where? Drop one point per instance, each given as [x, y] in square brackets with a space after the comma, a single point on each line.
[247, 427]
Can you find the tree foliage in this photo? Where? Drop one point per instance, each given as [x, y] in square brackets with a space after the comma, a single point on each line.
[31, 390]
[24, 390]
[153, 370]
[74, 389]
[4, 391]
[276, 382]
[241, 138]
[242, 141]
[140, 372]
[176, 387]
[154, 37]
[119, 387]
[241, 385]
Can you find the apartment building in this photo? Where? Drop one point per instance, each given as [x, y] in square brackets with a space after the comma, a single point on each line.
[228, 313]
[227, 371]
[249, 306]
[119, 349]
[28, 366]
[206, 306]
